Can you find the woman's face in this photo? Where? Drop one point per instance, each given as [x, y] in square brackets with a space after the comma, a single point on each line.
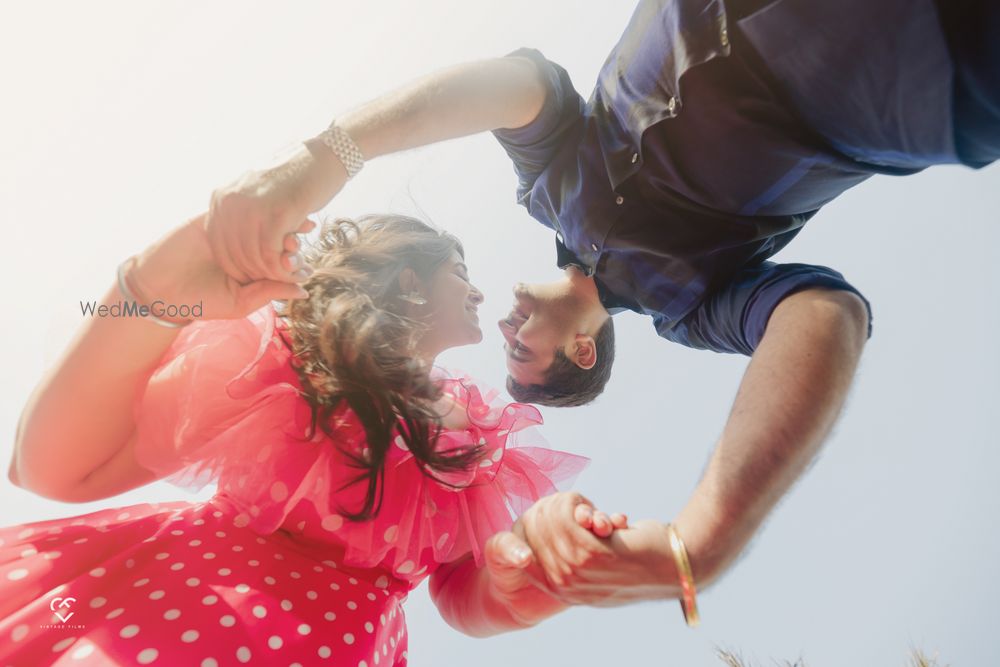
[451, 308]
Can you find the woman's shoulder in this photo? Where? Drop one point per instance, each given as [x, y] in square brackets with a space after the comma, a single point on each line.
[452, 412]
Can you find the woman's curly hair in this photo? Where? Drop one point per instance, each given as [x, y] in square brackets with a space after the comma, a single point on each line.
[353, 343]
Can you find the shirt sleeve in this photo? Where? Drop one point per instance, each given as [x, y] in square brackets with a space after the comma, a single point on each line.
[733, 319]
[532, 147]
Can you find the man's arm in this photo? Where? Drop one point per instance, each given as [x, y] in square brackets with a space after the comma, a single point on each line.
[455, 102]
[249, 218]
[789, 398]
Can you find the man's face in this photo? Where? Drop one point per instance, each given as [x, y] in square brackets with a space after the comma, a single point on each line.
[544, 318]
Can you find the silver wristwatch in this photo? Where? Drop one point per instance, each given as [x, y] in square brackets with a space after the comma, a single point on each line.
[344, 148]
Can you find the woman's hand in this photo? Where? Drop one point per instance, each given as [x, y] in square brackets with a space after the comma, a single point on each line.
[512, 584]
[252, 222]
[517, 567]
[180, 270]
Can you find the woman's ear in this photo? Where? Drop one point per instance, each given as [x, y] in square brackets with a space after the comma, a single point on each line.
[584, 351]
[408, 281]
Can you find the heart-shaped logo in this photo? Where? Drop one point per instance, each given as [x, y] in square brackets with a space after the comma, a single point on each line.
[60, 603]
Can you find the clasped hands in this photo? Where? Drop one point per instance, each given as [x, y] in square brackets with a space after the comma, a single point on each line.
[564, 551]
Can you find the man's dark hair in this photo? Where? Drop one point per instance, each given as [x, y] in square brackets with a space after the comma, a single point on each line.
[567, 385]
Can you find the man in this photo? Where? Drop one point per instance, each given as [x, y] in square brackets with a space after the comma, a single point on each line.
[714, 133]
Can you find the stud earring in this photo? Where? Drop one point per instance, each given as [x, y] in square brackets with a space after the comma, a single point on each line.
[414, 298]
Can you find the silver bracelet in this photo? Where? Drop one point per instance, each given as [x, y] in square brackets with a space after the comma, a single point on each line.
[344, 148]
[128, 295]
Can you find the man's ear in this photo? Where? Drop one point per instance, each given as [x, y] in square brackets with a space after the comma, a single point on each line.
[584, 352]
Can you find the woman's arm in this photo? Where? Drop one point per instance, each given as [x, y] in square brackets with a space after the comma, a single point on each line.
[496, 598]
[74, 435]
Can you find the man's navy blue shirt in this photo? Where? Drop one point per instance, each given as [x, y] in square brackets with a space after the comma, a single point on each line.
[711, 138]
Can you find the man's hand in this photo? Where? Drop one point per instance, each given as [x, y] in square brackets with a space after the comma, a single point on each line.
[252, 223]
[637, 565]
[513, 566]
[598, 522]
[576, 567]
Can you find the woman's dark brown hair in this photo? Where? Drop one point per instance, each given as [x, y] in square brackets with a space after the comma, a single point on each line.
[354, 344]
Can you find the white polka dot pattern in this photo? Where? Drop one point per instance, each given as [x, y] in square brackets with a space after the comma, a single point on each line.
[193, 588]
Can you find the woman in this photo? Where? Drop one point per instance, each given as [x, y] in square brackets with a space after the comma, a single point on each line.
[347, 469]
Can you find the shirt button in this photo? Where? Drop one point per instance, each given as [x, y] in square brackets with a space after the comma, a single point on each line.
[619, 200]
[672, 105]
[559, 237]
[593, 246]
[635, 158]
[724, 36]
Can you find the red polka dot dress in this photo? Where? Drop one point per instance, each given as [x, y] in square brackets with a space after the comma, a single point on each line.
[268, 571]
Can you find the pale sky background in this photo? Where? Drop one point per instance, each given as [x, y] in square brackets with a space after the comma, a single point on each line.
[119, 118]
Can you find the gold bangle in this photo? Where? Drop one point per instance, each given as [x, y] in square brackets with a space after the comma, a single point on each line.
[688, 603]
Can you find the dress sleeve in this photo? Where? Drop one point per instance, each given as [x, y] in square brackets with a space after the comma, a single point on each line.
[193, 414]
[533, 146]
[733, 319]
[430, 519]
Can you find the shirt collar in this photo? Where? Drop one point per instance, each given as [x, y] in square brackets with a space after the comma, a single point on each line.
[611, 301]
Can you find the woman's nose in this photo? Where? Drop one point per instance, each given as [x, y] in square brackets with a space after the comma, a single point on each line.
[477, 296]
